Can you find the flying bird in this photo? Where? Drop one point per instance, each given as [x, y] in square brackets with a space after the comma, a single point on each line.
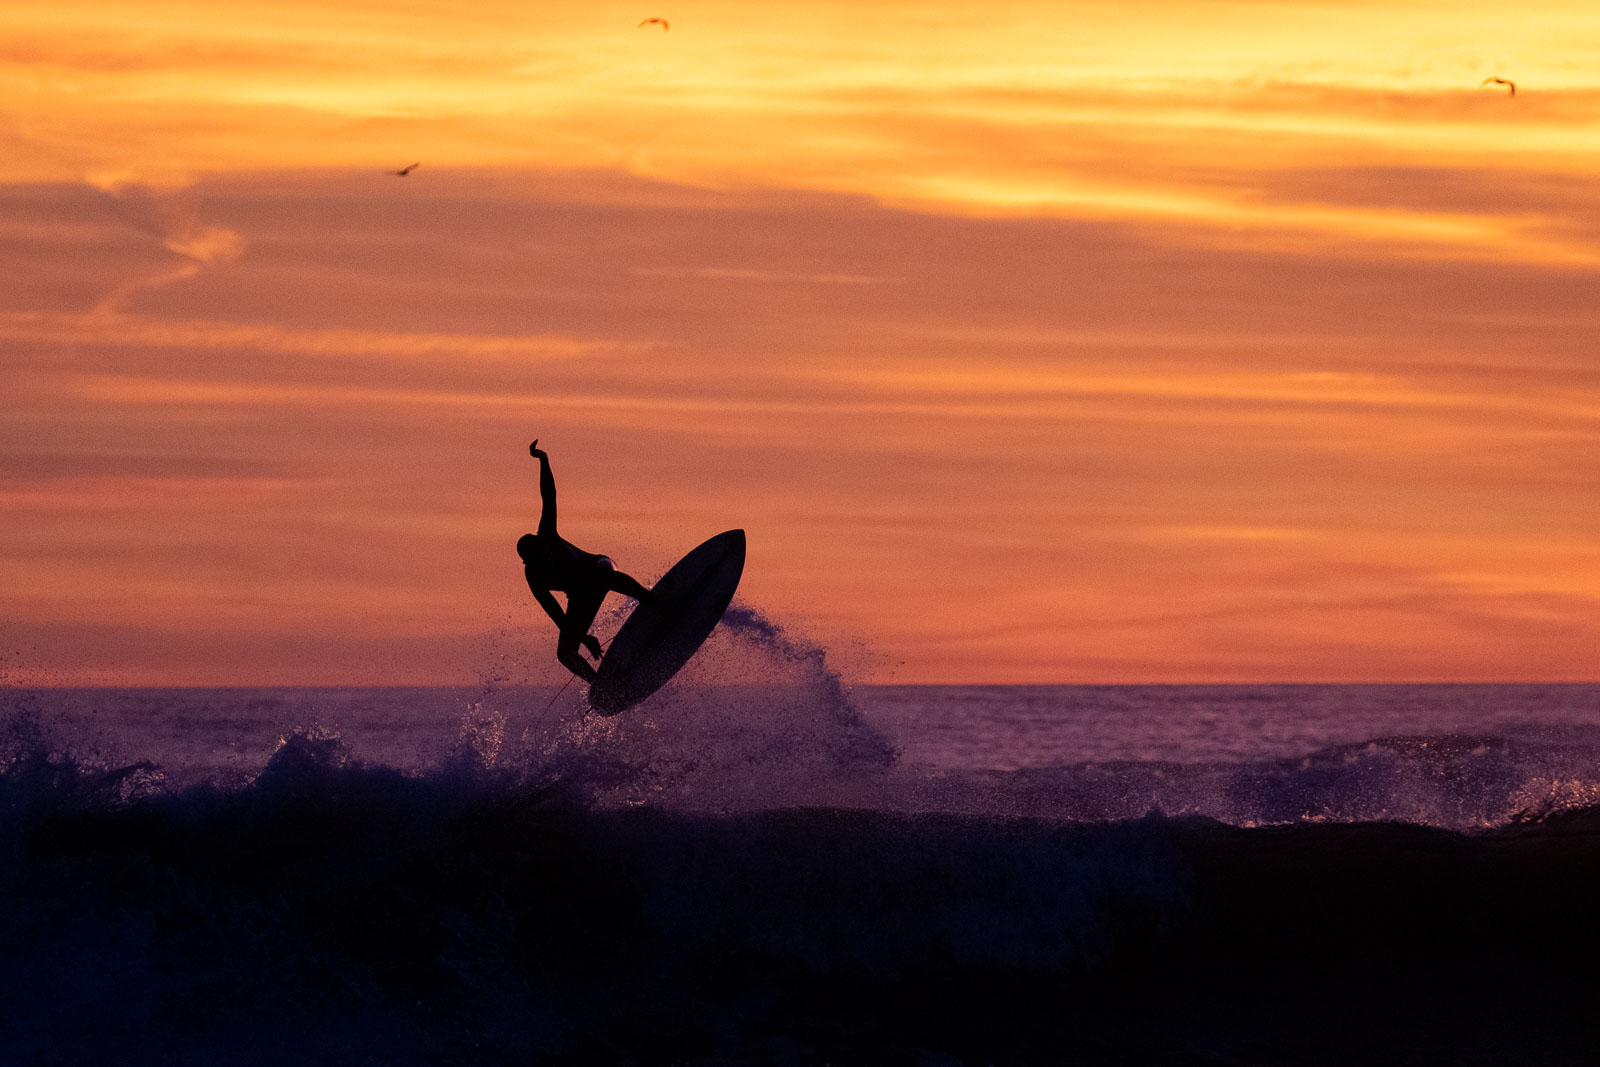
[654, 22]
[402, 172]
[1501, 81]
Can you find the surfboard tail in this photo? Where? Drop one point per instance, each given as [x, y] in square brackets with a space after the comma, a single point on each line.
[659, 638]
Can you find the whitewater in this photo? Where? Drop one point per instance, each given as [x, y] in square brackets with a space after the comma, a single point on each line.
[765, 864]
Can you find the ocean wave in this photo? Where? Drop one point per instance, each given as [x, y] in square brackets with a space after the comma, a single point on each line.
[760, 720]
[745, 871]
[336, 911]
[1449, 781]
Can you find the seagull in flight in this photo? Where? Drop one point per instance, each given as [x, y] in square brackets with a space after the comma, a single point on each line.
[654, 22]
[1501, 81]
[402, 172]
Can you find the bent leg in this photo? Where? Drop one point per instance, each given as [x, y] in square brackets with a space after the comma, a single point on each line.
[624, 584]
[617, 582]
[573, 661]
[582, 607]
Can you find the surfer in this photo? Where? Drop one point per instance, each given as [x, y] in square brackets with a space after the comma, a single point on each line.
[554, 564]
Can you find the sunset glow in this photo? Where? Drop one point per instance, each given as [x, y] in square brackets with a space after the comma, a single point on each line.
[1030, 342]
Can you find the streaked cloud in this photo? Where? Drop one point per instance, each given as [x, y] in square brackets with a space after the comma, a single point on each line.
[99, 327]
[1031, 342]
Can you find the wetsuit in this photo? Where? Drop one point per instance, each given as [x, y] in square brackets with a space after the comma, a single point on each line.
[551, 563]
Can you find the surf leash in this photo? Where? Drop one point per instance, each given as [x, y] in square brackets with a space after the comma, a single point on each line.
[570, 680]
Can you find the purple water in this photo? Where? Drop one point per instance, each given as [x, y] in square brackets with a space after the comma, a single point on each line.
[763, 864]
[1011, 727]
[1456, 756]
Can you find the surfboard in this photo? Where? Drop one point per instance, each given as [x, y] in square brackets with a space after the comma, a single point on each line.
[657, 639]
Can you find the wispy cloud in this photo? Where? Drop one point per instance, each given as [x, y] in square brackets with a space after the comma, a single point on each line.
[171, 218]
[132, 330]
[1030, 341]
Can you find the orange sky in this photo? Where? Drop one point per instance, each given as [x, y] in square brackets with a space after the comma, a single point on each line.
[1030, 342]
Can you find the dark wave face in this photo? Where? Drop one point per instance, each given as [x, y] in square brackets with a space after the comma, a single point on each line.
[747, 872]
[333, 912]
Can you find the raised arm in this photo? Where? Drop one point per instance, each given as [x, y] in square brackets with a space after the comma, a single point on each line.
[547, 490]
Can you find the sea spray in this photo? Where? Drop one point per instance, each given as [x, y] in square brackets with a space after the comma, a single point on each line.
[757, 718]
[800, 709]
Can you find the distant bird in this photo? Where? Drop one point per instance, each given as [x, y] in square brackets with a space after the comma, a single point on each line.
[1501, 81]
[654, 22]
[405, 170]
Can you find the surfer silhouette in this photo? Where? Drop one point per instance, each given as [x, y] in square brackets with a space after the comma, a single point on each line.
[554, 564]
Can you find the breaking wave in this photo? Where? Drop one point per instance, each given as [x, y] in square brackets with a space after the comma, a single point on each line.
[745, 872]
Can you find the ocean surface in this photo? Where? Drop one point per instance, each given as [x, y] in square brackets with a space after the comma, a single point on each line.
[766, 865]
